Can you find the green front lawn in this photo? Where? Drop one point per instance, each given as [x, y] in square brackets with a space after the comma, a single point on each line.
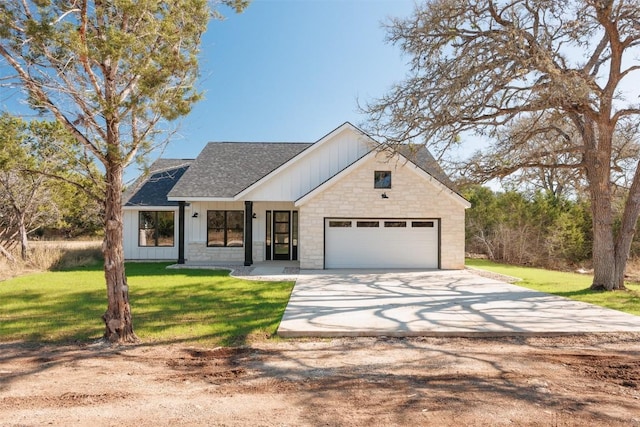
[570, 285]
[203, 306]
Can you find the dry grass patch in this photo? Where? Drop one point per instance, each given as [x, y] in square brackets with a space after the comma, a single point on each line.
[52, 255]
[632, 273]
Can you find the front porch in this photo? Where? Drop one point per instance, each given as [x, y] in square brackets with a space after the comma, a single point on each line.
[237, 232]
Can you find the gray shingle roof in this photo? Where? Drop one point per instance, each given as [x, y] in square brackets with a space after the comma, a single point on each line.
[152, 188]
[224, 169]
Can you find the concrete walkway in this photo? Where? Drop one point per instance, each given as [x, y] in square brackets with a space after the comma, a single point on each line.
[435, 303]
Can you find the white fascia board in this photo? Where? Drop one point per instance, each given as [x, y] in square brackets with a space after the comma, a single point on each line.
[320, 188]
[150, 208]
[201, 199]
[316, 145]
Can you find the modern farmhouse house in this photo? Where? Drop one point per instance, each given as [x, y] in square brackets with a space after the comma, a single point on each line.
[340, 202]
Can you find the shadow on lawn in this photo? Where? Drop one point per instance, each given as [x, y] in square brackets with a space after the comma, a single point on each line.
[210, 307]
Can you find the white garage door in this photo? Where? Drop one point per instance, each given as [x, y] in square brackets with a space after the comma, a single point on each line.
[381, 243]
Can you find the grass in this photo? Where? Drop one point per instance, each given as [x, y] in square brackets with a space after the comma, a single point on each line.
[198, 306]
[51, 255]
[570, 285]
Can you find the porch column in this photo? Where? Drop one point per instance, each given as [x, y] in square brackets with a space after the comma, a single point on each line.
[181, 206]
[248, 233]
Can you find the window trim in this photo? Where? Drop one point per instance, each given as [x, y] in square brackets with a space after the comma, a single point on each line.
[156, 236]
[225, 228]
[379, 178]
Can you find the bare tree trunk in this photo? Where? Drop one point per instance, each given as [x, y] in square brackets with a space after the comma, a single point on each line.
[117, 318]
[598, 168]
[604, 260]
[7, 254]
[24, 243]
[628, 228]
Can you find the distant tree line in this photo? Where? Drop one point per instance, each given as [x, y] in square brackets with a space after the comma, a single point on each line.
[535, 228]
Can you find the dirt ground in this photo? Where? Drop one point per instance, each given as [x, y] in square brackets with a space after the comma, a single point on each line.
[554, 381]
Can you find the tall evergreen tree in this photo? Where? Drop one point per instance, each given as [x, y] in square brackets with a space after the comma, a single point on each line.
[113, 73]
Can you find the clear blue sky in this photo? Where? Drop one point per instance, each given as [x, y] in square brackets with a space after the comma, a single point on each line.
[291, 70]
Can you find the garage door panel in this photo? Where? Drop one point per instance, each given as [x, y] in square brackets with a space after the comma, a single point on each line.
[412, 246]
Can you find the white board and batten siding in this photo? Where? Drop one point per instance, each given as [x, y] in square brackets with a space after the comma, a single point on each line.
[360, 243]
[311, 168]
[132, 249]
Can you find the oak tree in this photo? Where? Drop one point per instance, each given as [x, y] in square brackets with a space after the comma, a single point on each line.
[477, 65]
[114, 73]
[547, 155]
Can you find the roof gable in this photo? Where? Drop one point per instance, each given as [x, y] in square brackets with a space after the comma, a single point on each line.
[223, 169]
[425, 171]
[322, 160]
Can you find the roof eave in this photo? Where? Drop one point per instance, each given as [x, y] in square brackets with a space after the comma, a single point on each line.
[200, 199]
[464, 202]
[148, 207]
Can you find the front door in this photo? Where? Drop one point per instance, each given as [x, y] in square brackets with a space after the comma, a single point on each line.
[282, 235]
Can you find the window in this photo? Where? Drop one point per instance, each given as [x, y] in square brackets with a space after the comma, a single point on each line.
[225, 228]
[155, 228]
[339, 223]
[395, 224]
[368, 224]
[382, 179]
[417, 224]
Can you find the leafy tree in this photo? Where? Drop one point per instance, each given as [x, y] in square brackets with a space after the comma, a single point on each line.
[30, 154]
[113, 73]
[477, 65]
[80, 214]
[537, 229]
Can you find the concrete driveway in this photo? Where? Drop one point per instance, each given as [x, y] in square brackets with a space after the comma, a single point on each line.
[328, 303]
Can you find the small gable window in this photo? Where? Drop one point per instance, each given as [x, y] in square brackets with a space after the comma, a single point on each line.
[225, 228]
[382, 179]
[155, 228]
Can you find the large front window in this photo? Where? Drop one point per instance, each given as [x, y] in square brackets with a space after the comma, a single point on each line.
[225, 228]
[156, 228]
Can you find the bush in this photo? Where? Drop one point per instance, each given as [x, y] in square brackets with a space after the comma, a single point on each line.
[538, 230]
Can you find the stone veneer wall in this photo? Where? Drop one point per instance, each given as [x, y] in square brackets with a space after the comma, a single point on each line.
[199, 252]
[411, 196]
